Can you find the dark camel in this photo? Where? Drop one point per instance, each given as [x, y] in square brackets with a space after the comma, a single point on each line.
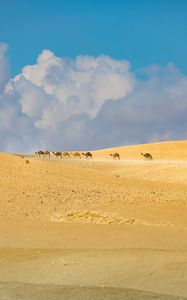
[147, 156]
[76, 155]
[47, 153]
[115, 155]
[58, 154]
[39, 153]
[87, 154]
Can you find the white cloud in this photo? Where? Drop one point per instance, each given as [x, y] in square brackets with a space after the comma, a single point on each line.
[89, 102]
[88, 80]
[156, 110]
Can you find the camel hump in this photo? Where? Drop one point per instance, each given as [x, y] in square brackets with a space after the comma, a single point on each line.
[57, 153]
[66, 154]
[87, 154]
[40, 152]
[115, 155]
[76, 154]
[147, 155]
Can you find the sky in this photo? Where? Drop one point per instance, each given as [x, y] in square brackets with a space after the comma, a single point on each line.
[141, 31]
[88, 74]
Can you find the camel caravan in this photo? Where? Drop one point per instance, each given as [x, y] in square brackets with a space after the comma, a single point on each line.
[87, 155]
[63, 154]
[43, 153]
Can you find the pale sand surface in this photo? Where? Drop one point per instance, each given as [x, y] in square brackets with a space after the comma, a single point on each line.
[95, 229]
[18, 291]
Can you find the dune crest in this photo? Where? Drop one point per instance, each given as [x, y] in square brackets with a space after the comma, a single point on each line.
[172, 150]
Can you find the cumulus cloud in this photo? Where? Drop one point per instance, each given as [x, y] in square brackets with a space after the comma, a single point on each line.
[156, 110]
[89, 102]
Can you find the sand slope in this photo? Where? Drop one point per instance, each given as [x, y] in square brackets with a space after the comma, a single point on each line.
[95, 229]
[176, 150]
[94, 191]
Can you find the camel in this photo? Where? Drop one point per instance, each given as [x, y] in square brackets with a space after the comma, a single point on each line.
[58, 154]
[66, 154]
[47, 153]
[39, 153]
[147, 156]
[115, 155]
[76, 155]
[87, 154]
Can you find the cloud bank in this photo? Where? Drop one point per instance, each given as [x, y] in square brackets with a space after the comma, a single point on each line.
[89, 103]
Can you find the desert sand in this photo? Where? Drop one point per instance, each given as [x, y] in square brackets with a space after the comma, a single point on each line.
[95, 228]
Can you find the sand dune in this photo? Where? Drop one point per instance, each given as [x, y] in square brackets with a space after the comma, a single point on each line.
[122, 225]
[94, 191]
[176, 150]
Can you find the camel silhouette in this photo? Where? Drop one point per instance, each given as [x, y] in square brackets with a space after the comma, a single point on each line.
[76, 155]
[47, 153]
[115, 155]
[147, 156]
[87, 154]
[39, 153]
[58, 154]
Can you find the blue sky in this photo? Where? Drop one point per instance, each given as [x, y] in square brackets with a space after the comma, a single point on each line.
[90, 74]
[142, 31]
